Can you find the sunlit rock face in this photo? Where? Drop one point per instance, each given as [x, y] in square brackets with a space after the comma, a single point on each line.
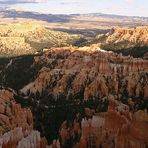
[89, 74]
[16, 124]
[132, 41]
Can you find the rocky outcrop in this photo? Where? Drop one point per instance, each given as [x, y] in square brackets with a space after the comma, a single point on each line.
[19, 138]
[132, 41]
[91, 73]
[12, 115]
[118, 127]
[16, 124]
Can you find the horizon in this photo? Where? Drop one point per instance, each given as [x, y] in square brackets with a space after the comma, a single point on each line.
[114, 7]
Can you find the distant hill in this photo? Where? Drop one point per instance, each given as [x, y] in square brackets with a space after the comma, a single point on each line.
[88, 25]
[21, 39]
[12, 12]
[72, 21]
[115, 16]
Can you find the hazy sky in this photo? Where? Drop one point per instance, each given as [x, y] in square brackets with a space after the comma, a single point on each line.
[121, 7]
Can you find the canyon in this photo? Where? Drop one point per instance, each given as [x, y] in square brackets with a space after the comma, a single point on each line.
[69, 96]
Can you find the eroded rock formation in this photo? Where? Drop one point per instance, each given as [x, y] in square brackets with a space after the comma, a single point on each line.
[118, 127]
[16, 124]
[75, 80]
[93, 74]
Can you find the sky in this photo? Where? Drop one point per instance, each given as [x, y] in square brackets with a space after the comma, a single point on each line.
[119, 7]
